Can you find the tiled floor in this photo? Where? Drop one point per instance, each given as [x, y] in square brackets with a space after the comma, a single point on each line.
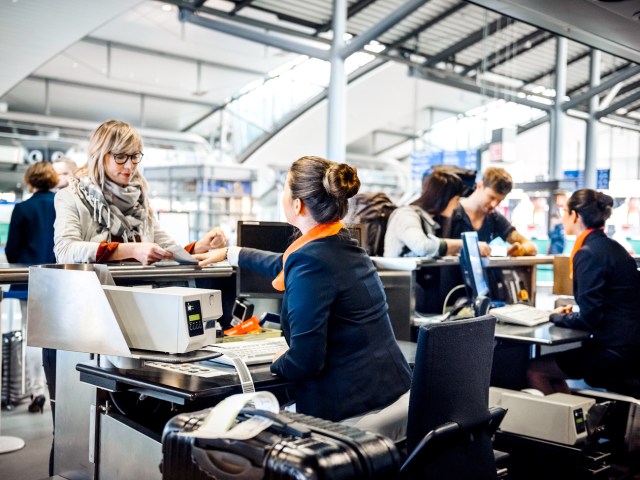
[32, 461]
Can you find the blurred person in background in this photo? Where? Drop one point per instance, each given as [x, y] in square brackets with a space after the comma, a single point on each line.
[64, 167]
[30, 242]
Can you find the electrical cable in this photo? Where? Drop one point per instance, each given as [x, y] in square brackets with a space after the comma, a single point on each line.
[446, 299]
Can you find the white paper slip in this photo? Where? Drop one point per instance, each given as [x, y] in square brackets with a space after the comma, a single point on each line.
[220, 422]
[181, 256]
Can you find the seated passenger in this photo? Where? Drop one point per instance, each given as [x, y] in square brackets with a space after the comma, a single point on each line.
[104, 214]
[411, 231]
[342, 354]
[478, 212]
[605, 285]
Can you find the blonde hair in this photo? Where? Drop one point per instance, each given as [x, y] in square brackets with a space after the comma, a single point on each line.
[73, 166]
[111, 136]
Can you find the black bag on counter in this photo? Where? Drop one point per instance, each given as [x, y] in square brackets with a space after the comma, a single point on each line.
[296, 446]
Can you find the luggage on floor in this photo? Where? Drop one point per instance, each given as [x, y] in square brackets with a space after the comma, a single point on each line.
[12, 388]
[296, 446]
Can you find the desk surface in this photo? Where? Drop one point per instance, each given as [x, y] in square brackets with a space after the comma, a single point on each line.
[174, 386]
[413, 263]
[180, 387]
[19, 273]
[544, 334]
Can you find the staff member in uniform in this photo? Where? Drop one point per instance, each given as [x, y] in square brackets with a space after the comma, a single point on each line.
[605, 285]
[342, 354]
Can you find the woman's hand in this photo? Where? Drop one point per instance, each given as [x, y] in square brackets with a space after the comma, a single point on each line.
[279, 354]
[145, 252]
[214, 256]
[562, 310]
[485, 249]
[214, 238]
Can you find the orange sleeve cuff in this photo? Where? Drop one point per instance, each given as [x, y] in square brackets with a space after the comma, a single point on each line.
[105, 250]
[191, 247]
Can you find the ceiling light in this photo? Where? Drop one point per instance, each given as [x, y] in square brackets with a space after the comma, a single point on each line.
[166, 7]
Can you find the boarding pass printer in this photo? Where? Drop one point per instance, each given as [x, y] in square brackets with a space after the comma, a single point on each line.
[79, 308]
[168, 319]
[557, 417]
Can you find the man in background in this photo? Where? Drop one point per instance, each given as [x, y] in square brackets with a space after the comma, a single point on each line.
[477, 212]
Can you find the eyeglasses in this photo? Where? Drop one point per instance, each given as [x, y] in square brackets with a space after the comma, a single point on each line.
[121, 158]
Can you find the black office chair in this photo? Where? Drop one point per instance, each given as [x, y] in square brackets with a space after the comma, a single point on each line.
[450, 427]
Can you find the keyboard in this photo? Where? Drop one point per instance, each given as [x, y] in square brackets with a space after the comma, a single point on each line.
[520, 314]
[253, 352]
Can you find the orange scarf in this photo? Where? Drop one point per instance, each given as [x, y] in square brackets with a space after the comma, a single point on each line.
[319, 231]
[577, 246]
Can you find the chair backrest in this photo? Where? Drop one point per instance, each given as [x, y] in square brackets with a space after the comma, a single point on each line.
[451, 384]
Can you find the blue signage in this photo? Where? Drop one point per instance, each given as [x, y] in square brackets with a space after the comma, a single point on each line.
[424, 161]
[602, 178]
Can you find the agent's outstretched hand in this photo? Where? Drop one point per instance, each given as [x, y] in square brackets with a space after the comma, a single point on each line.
[213, 256]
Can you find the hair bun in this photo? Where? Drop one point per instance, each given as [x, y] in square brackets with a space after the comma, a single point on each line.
[341, 180]
[604, 201]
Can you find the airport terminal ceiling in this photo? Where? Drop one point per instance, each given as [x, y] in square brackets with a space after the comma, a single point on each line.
[172, 65]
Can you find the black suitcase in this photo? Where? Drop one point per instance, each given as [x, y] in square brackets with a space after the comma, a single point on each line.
[12, 392]
[295, 447]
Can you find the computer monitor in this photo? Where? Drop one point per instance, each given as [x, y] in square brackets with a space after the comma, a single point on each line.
[273, 237]
[356, 230]
[471, 265]
[270, 236]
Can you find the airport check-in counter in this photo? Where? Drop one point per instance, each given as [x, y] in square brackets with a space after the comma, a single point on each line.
[106, 411]
[418, 288]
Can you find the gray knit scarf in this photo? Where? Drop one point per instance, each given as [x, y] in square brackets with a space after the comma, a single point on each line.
[122, 211]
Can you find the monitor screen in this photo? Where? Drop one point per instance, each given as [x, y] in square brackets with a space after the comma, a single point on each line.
[270, 236]
[356, 230]
[471, 264]
[273, 237]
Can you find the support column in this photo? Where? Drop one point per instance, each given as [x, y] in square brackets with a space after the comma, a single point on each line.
[337, 98]
[590, 166]
[557, 115]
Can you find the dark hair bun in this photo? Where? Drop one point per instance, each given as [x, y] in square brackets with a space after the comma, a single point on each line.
[341, 181]
[604, 201]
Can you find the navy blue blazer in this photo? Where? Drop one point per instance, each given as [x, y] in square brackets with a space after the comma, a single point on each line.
[30, 237]
[605, 286]
[342, 355]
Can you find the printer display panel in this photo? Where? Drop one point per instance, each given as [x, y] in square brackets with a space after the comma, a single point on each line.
[194, 318]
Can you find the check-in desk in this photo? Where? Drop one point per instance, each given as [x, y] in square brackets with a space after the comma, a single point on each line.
[515, 345]
[421, 286]
[132, 406]
[102, 412]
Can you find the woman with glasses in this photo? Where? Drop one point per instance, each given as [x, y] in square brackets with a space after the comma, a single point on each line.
[104, 214]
